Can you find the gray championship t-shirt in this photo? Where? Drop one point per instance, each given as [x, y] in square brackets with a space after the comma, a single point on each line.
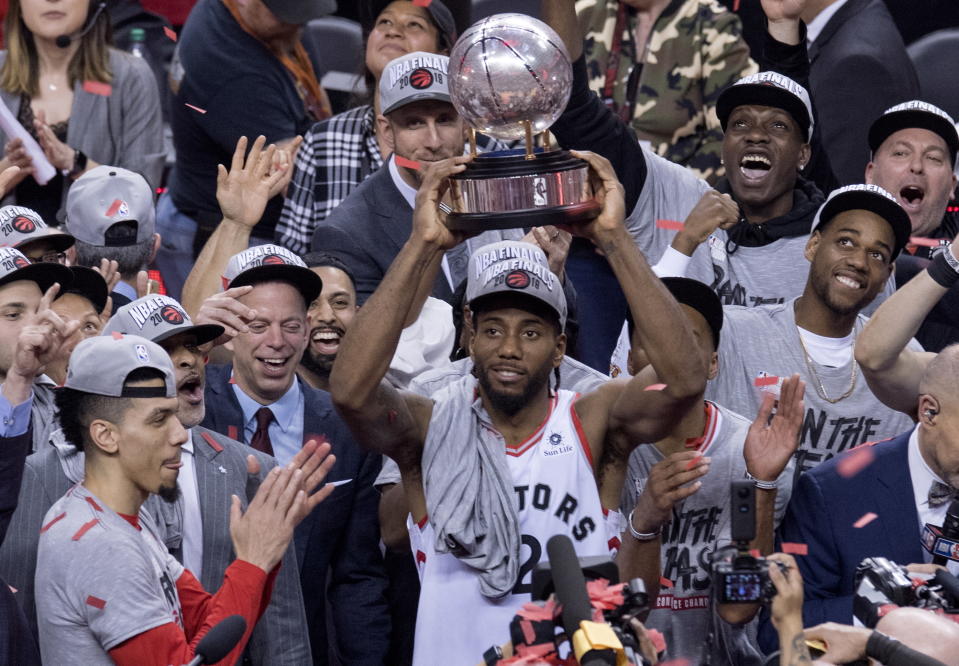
[747, 276]
[99, 580]
[761, 342]
[573, 375]
[699, 525]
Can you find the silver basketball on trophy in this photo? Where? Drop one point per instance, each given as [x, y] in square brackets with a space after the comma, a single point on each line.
[510, 77]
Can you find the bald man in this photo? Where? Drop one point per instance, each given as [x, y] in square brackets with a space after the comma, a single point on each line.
[907, 481]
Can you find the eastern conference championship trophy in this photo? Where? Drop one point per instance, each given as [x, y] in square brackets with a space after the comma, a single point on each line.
[510, 77]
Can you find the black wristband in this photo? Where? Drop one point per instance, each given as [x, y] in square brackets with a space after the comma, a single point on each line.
[940, 270]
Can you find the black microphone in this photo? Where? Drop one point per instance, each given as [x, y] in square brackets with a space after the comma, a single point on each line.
[63, 41]
[950, 528]
[219, 640]
[570, 587]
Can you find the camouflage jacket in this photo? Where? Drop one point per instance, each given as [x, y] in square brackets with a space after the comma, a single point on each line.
[694, 50]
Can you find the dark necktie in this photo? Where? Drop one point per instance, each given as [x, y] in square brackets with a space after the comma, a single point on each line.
[261, 438]
[940, 493]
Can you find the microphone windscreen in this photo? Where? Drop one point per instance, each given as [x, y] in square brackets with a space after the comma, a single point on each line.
[63, 41]
[221, 638]
[569, 582]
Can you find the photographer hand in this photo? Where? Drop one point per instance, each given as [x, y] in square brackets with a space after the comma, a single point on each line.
[786, 610]
[843, 642]
[670, 480]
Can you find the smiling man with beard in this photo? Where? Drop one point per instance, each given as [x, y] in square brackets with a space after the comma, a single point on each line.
[328, 318]
[107, 590]
[856, 237]
[496, 464]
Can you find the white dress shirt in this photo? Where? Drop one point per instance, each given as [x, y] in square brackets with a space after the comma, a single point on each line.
[814, 27]
[192, 518]
[922, 479]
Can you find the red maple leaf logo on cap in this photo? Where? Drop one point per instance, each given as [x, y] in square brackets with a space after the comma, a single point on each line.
[421, 78]
[273, 260]
[517, 280]
[24, 224]
[171, 315]
[21, 262]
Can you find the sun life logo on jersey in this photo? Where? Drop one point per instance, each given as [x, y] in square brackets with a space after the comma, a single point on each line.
[556, 446]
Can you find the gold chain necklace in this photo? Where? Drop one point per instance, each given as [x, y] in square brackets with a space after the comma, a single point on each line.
[820, 389]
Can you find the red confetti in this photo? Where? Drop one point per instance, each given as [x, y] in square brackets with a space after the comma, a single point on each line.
[765, 381]
[924, 242]
[671, 225]
[865, 520]
[53, 522]
[422, 3]
[409, 164]
[84, 529]
[96, 602]
[535, 612]
[529, 634]
[195, 108]
[692, 463]
[855, 461]
[117, 335]
[755, 552]
[169, 32]
[97, 88]
[795, 548]
[657, 639]
[92, 502]
[114, 207]
[655, 387]
[215, 445]
[665, 582]
[232, 433]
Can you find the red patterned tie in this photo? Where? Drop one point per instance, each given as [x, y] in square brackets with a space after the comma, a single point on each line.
[261, 438]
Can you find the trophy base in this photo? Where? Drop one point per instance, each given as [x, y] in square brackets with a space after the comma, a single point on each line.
[531, 217]
[506, 190]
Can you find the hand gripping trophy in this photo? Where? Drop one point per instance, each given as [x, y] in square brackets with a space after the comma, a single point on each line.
[510, 77]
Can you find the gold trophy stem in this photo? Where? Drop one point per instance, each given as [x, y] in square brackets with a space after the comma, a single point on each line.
[472, 138]
[529, 140]
[547, 145]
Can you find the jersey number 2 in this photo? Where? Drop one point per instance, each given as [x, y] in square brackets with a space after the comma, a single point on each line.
[526, 568]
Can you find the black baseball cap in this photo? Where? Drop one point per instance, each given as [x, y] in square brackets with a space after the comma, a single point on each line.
[867, 197]
[14, 266]
[440, 13]
[298, 12]
[696, 295]
[768, 89]
[89, 284]
[915, 114]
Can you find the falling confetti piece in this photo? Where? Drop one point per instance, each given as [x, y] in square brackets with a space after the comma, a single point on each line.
[671, 225]
[655, 387]
[755, 552]
[924, 242]
[422, 3]
[195, 108]
[795, 548]
[692, 463]
[657, 639]
[665, 582]
[765, 381]
[169, 32]
[409, 164]
[97, 88]
[865, 520]
[855, 461]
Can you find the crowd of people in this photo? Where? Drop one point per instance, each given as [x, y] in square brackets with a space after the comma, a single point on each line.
[286, 389]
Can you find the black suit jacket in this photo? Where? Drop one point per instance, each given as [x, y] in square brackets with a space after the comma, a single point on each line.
[337, 546]
[859, 68]
[821, 513]
[367, 230]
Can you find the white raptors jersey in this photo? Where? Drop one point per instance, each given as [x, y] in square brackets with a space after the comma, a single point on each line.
[555, 493]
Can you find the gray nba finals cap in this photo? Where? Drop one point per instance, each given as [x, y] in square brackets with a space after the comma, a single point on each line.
[514, 267]
[112, 207]
[914, 114]
[268, 263]
[414, 77]
[768, 89]
[14, 266]
[101, 365]
[867, 197]
[21, 226]
[157, 318]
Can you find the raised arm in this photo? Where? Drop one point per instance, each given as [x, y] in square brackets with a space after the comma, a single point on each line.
[663, 330]
[381, 417]
[893, 371]
[242, 193]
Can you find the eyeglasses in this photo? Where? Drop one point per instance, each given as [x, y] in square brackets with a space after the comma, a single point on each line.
[49, 258]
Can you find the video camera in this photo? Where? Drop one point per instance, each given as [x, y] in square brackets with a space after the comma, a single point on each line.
[741, 577]
[883, 585]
